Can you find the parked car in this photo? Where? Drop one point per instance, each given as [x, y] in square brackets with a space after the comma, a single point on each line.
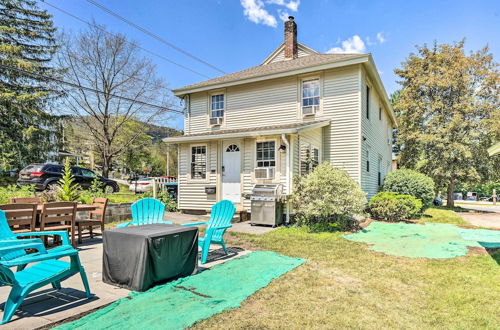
[141, 184]
[46, 176]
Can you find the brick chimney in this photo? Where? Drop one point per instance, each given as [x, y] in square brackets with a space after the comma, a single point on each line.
[291, 50]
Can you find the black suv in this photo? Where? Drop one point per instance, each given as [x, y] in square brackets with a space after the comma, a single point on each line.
[46, 176]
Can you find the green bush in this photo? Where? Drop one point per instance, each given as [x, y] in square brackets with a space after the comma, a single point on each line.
[391, 206]
[15, 191]
[68, 190]
[327, 196]
[165, 198]
[413, 183]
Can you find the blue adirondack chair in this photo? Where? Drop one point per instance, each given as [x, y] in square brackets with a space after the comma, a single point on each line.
[146, 211]
[8, 238]
[220, 220]
[46, 270]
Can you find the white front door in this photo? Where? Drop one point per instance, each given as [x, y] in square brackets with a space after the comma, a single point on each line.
[231, 168]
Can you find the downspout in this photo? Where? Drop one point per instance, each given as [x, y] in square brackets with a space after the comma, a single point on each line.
[287, 184]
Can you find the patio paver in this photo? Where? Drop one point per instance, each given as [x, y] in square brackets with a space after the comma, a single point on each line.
[46, 305]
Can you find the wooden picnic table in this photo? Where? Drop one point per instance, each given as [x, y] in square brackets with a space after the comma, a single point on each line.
[79, 208]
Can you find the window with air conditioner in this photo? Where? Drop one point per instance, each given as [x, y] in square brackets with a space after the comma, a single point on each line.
[310, 97]
[266, 160]
[216, 109]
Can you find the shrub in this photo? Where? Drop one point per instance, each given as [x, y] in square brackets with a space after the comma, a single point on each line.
[165, 198]
[15, 191]
[68, 190]
[327, 196]
[391, 206]
[413, 183]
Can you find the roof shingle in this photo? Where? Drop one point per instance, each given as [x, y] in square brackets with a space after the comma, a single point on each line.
[272, 68]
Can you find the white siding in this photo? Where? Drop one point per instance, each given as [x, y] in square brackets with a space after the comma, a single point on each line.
[262, 104]
[281, 55]
[376, 133]
[341, 104]
[192, 194]
[197, 119]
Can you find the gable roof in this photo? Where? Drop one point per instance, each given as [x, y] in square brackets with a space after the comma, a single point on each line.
[286, 66]
[279, 53]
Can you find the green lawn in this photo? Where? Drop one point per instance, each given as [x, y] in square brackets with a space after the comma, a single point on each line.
[442, 215]
[344, 285]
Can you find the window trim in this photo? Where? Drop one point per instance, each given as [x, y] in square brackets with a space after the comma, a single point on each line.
[379, 171]
[301, 97]
[311, 148]
[368, 95]
[210, 110]
[367, 160]
[275, 154]
[189, 170]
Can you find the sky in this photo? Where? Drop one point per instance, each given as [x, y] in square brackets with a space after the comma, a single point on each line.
[232, 35]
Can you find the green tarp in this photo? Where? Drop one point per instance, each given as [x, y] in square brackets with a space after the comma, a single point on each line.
[180, 304]
[429, 240]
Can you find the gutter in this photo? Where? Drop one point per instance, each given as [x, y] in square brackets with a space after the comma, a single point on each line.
[288, 153]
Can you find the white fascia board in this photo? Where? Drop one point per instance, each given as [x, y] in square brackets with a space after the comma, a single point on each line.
[339, 63]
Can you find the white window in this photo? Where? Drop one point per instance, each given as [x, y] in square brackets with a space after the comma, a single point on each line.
[309, 159]
[368, 102]
[379, 171]
[367, 161]
[217, 106]
[310, 96]
[198, 162]
[266, 154]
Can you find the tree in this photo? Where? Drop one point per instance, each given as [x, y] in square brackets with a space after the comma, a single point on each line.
[27, 46]
[446, 108]
[114, 83]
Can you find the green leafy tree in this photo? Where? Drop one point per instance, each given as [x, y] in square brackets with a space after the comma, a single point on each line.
[68, 189]
[27, 45]
[445, 109]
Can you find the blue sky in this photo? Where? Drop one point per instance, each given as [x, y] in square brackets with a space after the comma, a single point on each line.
[233, 35]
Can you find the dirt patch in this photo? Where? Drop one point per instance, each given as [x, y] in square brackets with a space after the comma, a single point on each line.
[477, 250]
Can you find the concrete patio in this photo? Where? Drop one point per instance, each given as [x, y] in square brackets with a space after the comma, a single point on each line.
[47, 306]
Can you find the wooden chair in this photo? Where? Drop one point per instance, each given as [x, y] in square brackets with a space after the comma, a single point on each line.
[24, 200]
[58, 216]
[96, 218]
[20, 217]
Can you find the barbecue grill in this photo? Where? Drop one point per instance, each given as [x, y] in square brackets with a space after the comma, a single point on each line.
[267, 204]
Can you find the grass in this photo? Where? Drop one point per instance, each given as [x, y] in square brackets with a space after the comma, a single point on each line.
[344, 285]
[442, 215]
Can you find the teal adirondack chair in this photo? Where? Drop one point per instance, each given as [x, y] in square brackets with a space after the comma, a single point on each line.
[146, 211]
[46, 270]
[220, 220]
[8, 238]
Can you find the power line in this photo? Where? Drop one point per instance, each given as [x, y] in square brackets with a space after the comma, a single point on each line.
[67, 83]
[132, 43]
[151, 34]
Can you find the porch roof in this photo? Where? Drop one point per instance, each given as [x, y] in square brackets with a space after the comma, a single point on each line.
[249, 132]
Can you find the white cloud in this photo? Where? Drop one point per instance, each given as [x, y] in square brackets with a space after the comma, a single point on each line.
[352, 45]
[256, 11]
[381, 38]
[292, 5]
[369, 41]
[283, 15]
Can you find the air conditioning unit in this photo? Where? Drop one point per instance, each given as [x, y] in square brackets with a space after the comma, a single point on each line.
[310, 110]
[264, 173]
[216, 121]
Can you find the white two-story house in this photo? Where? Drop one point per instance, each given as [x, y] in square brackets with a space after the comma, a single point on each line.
[278, 120]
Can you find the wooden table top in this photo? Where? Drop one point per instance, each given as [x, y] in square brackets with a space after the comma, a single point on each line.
[79, 207]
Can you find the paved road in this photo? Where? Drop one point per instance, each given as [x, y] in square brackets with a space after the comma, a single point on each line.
[480, 207]
[487, 220]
